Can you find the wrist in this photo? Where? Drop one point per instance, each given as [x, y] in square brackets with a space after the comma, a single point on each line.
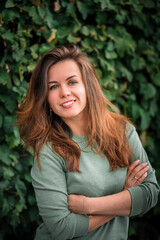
[87, 206]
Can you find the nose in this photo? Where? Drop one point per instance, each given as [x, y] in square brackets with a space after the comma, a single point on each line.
[64, 91]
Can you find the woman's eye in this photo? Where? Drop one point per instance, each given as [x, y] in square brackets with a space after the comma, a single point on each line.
[72, 82]
[53, 87]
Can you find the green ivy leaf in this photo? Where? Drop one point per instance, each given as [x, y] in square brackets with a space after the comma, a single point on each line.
[9, 14]
[8, 35]
[8, 123]
[9, 4]
[136, 110]
[4, 78]
[107, 79]
[19, 207]
[31, 200]
[3, 185]
[18, 54]
[125, 72]
[124, 44]
[110, 46]
[145, 119]
[16, 80]
[110, 55]
[156, 79]
[44, 48]
[41, 11]
[5, 208]
[4, 154]
[138, 63]
[153, 108]
[28, 177]
[12, 141]
[35, 16]
[14, 220]
[34, 51]
[20, 187]
[49, 19]
[63, 32]
[83, 9]
[31, 66]
[107, 65]
[10, 104]
[107, 4]
[85, 31]
[138, 22]
[148, 90]
[8, 173]
[121, 16]
[149, 4]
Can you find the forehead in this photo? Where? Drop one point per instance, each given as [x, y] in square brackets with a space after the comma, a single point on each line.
[63, 69]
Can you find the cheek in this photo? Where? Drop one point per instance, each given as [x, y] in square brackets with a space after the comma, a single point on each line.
[82, 94]
[51, 99]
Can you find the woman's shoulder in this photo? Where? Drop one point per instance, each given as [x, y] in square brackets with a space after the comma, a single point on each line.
[48, 158]
[134, 139]
[130, 129]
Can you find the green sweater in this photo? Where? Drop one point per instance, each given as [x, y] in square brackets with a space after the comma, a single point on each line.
[53, 183]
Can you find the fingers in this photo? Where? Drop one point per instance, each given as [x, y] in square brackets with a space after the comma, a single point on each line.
[137, 173]
[141, 179]
[76, 203]
[132, 166]
[140, 171]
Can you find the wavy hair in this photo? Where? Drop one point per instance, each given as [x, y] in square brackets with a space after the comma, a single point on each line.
[107, 129]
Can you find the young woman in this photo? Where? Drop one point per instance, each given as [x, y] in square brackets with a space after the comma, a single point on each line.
[90, 170]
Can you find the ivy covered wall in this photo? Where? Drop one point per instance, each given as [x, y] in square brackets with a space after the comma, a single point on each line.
[122, 38]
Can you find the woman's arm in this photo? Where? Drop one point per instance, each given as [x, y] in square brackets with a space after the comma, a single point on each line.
[137, 199]
[51, 194]
[145, 195]
[95, 221]
[116, 204]
[119, 204]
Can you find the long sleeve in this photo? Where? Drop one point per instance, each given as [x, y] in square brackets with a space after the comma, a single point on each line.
[51, 194]
[144, 196]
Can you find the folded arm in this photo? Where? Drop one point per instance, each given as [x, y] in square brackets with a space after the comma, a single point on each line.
[51, 194]
[140, 190]
[118, 204]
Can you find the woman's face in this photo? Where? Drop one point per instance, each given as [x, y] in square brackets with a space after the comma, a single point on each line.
[67, 94]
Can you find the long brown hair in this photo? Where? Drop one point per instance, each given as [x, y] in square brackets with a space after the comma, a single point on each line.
[107, 130]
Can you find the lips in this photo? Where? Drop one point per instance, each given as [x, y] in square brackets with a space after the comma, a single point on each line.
[67, 103]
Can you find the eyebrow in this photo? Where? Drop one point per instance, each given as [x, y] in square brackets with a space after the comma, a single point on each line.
[66, 78]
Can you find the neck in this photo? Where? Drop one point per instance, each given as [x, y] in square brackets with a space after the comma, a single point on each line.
[78, 126]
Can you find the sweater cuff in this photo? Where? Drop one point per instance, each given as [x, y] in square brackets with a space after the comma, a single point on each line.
[137, 196]
[82, 225]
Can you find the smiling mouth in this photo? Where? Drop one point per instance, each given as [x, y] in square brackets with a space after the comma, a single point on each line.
[67, 103]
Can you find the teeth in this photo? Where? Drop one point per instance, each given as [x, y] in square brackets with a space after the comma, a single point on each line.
[68, 103]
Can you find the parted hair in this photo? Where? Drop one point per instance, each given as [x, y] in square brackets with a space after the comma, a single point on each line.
[106, 127]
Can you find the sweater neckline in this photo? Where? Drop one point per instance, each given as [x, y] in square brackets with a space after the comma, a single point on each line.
[82, 140]
[79, 138]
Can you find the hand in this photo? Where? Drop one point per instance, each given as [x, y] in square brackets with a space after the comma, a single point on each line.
[136, 174]
[76, 203]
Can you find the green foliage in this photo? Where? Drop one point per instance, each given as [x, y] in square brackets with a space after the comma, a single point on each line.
[121, 37]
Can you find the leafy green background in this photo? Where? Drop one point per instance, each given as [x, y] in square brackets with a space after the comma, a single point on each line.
[122, 38]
